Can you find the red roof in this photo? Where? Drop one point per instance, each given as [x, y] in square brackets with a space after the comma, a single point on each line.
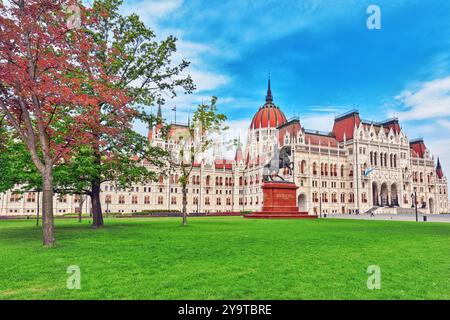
[321, 140]
[291, 128]
[419, 148]
[346, 125]
[224, 164]
[392, 124]
[268, 115]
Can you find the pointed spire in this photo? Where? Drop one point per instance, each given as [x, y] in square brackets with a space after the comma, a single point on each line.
[269, 98]
[439, 171]
[159, 114]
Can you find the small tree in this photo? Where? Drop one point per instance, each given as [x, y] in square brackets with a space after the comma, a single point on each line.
[194, 143]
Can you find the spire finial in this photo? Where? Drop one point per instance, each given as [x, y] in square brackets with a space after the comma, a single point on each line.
[269, 98]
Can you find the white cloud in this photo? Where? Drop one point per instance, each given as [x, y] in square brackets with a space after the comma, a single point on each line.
[151, 10]
[318, 122]
[444, 123]
[429, 100]
[207, 81]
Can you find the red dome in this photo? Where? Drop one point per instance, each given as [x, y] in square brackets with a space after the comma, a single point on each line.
[268, 115]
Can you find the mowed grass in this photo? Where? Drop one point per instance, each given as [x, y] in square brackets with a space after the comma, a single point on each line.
[227, 258]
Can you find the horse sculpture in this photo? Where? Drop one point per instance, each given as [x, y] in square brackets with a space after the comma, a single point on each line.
[270, 170]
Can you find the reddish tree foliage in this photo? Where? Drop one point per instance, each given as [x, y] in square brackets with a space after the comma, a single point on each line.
[52, 86]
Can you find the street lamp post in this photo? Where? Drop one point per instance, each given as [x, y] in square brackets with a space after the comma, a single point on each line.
[414, 197]
[320, 206]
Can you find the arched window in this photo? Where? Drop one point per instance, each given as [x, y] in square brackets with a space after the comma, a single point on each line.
[160, 200]
[31, 197]
[161, 178]
[314, 168]
[207, 201]
[342, 170]
[315, 197]
[147, 200]
[108, 199]
[302, 166]
[121, 199]
[364, 198]
[134, 200]
[351, 198]
[208, 180]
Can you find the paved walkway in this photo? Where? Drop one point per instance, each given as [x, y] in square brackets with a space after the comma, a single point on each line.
[394, 217]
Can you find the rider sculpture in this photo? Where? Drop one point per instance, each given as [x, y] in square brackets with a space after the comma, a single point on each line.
[270, 171]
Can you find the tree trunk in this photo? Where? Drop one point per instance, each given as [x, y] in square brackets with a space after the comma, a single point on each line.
[97, 215]
[184, 190]
[37, 209]
[47, 208]
[80, 213]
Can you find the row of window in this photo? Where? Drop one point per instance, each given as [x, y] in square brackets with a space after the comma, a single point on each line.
[383, 159]
[334, 197]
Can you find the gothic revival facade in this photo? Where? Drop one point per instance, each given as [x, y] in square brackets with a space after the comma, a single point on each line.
[360, 166]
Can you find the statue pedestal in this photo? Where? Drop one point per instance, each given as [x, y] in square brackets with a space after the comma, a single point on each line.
[280, 202]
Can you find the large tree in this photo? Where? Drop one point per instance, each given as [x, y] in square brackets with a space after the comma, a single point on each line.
[51, 85]
[146, 70]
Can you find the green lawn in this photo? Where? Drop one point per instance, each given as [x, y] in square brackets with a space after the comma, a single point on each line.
[227, 258]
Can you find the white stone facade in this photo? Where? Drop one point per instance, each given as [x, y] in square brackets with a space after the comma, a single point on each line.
[358, 167]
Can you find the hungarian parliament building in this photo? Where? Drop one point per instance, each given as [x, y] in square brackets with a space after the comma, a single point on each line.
[359, 167]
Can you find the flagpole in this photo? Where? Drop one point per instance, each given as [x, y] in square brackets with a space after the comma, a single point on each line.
[174, 109]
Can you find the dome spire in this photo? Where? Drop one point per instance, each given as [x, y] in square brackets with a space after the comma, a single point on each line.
[269, 98]
[159, 114]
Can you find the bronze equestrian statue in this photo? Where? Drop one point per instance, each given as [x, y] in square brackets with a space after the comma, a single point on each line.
[284, 162]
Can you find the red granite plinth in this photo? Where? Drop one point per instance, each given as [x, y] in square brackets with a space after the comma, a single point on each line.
[280, 202]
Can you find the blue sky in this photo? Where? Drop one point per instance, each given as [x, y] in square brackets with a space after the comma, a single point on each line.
[322, 58]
